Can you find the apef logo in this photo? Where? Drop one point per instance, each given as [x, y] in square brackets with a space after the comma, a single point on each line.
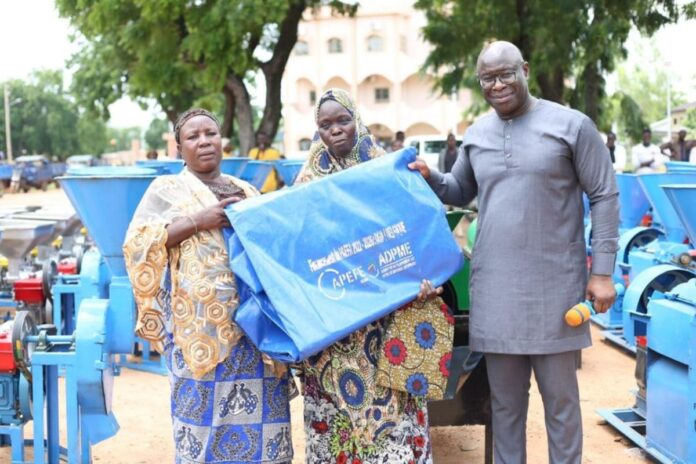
[332, 284]
[326, 286]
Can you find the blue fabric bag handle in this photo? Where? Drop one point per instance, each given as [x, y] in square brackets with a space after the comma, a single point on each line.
[318, 261]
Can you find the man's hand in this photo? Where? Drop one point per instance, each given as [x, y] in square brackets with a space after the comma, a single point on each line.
[600, 290]
[420, 166]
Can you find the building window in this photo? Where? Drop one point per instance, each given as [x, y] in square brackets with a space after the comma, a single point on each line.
[382, 95]
[312, 97]
[301, 48]
[375, 43]
[305, 144]
[335, 45]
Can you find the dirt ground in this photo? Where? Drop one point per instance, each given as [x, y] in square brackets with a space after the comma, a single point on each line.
[141, 406]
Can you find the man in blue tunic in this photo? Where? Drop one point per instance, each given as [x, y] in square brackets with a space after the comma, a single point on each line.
[528, 163]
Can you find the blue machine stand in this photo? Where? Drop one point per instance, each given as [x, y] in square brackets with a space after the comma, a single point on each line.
[68, 291]
[86, 358]
[12, 428]
[663, 419]
[663, 425]
[150, 361]
[652, 283]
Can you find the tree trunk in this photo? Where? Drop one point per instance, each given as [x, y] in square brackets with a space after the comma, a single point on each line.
[551, 85]
[227, 128]
[273, 69]
[243, 112]
[592, 86]
[172, 115]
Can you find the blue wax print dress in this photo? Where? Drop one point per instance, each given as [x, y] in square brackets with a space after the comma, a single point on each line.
[229, 403]
[237, 414]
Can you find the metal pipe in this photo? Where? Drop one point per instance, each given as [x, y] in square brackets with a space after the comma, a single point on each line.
[8, 133]
[53, 339]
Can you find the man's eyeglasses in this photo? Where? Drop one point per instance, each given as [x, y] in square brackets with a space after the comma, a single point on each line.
[505, 78]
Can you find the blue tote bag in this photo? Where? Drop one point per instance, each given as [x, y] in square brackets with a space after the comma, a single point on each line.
[320, 260]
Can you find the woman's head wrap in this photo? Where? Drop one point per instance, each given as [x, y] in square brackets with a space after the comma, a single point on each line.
[186, 115]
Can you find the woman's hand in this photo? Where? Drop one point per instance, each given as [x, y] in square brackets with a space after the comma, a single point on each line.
[214, 217]
[427, 291]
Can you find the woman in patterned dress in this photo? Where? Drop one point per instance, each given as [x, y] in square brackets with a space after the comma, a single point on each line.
[229, 402]
[348, 418]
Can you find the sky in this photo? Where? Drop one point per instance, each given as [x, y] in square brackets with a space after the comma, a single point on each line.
[33, 37]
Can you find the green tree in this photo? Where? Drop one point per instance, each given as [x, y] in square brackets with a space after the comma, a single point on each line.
[563, 40]
[178, 51]
[120, 139]
[153, 135]
[649, 89]
[92, 135]
[43, 119]
[690, 121]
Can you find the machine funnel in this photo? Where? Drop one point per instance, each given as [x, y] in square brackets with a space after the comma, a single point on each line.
[163, 166]
[19, 237]
[683, 199]
[67, 221]
[233, 166]
[680, 166]
[288, 170]
[663, 212]
[106, 198]
[634, 203]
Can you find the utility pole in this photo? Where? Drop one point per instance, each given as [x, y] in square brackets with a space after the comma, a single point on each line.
[669, 103]
[8, 133]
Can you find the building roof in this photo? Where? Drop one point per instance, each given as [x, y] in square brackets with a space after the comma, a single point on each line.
[684, 107]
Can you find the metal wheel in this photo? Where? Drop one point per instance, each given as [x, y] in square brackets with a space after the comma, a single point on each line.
[49, 271]
[24, 325]
[663, 283]
[641, 239]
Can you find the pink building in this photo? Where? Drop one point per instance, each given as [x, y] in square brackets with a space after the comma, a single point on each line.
[376, 56]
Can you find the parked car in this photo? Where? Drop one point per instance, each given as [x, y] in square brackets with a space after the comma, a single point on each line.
[32, 171]
[429, 146]
[80, 160]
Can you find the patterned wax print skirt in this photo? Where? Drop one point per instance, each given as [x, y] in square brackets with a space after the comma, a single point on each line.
[351, 420]
[238, 413]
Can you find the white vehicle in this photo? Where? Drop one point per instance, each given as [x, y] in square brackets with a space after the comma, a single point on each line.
[429, 147]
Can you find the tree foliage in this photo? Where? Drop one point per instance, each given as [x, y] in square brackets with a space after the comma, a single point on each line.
[45, 119]
[649, 89]
[182, 52]
[690, 121]
[153, 135]
[121, 139]
[565, 41]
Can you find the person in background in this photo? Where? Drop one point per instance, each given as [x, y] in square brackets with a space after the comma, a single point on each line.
[680, 149]
[264, 152]
[646, 156]
[227, 150]
[151, 155]
[398, 142]
[529, 163]
[616, 152]
[448, 155]
[348, 417]
[229, 402]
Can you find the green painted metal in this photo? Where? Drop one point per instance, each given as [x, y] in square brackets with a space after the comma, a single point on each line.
[460, 281]
[471, 234]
